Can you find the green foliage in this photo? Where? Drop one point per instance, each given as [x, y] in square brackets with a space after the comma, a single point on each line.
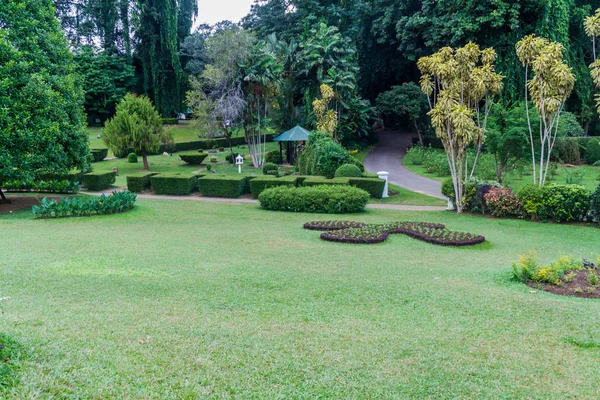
[139, 182]
[448, 188]
[322, 156]
[319, 181]
[99, 180]
[527, 269]
[193, 158]
[52, 186]
[374, 186]
[223, 186]
[273, 157]
[553, 202]
[348, 171]
[170, 121]
[258, 185]
[132, 158]
[337, 199]
[358, 163]
[502, 202]
[269, 167]
[41, 101]
[99, 154]
[170, 184]
[592, 151]
[107, 78]
[405, 103]
[595, 205]
[117, 202]
[136, 127]
[567, 151]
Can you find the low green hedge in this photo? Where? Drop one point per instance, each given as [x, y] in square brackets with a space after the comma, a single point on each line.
[73, 176]
[178, 185]
[99, 154]
[223, 185]
[193, 158]
[99, 180]
[139, 182]
[553, 202]
[374, 186]
[315, 199]
[259, 184]
[318, 180]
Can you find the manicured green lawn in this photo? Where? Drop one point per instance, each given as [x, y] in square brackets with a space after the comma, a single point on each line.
[187, 300]
[407, 197]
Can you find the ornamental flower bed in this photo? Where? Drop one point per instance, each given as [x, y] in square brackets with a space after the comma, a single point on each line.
[358, 232]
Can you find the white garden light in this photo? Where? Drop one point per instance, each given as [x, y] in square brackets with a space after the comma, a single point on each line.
[239, 161]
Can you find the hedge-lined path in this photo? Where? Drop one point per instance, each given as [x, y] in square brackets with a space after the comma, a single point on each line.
[388, 155]
[398, 207]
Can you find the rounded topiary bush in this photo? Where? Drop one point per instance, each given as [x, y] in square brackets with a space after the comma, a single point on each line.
[348, 171]
[193, 158]
[358, 163]
[132, 158]
[269, 167]
[328, 199]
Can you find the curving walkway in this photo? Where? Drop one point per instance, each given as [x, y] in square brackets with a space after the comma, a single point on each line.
[388, 155]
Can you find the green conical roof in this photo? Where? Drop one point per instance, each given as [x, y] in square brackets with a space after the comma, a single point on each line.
[296, 134]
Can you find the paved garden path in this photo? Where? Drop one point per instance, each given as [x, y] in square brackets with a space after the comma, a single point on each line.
[388, 155]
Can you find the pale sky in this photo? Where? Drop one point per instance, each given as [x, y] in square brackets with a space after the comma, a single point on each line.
[213, 11]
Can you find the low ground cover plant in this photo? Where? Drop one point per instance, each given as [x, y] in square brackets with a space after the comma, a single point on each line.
[357, 232]
[117, 202]
[337, 199]
[52, 186]
[567, 276]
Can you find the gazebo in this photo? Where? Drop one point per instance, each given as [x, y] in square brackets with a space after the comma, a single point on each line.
[296, 134]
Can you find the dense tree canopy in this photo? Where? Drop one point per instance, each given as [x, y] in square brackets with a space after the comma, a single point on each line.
[41, 101]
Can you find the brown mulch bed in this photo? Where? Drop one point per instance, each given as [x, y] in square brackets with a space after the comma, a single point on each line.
[578, 287]
[18, 203]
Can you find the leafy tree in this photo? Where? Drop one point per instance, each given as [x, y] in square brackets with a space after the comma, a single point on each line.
[405, 102]
[41, 120]
[326, 118]
[136, 126]
[592, 29]
[549, 87]
[456, 86]
[106, 79]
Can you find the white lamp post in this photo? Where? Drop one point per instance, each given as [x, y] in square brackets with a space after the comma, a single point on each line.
[239, 161]
[384, 175]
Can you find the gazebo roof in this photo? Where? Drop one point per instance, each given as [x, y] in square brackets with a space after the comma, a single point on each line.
[296, 134]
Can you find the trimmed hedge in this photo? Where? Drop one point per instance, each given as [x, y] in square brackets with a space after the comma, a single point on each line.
[206, 144]
[132, 158]
[178, 185]
[99, 180]
[267, 167]
[258, 185]
[349, 171]
[193, 158]
[73, 176]
[318, 180]
[223, 185]
[99, 154]
[315, 199]
[139, 182]
[552, 202]
[374, 186]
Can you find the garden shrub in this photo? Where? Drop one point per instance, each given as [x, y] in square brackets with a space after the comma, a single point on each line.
[437, 163]
[259, 184]
[172, 184]
[274, 157]
[117, 202]
[132, 158]
[193, 158]
[170, 121]
[374, 186]
[448, 189]
[322, 156]
[231, 186]
[502, 202]
[595, 205]
[99, 154]
[358, 163]
[51, 186]
[553, 202]
[73, 176]
[416, 155]
[349, 171]
[528, 269]
[474, 191]
[315, 199]
[99, 180]
[592, 151]
[139, 182]
[317, 180]
[269, 167]
[567, 151]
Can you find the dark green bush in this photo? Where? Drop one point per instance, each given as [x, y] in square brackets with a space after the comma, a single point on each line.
[448, 189]
[595, 205]
[73, 176]
[178, 185]
[553, 202]
[567, 151]
[318, 180]
[231, 186]
[193, 158]
[322, 156]
[274, 157]
[99, 180]
[348, 171]
[132, 158]
[374, 186]
[170, 121]
[99, 154]
[317, 199]
[259, 184]
[117, 202]
[269, 167]
[358, 163]
[592, 151]
[139, 182]
[51, 186]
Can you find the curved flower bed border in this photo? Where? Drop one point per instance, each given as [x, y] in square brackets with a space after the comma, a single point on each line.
[358, 232]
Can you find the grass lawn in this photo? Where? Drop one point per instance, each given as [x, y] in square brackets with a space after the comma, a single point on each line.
[189, 300]
[409, 198]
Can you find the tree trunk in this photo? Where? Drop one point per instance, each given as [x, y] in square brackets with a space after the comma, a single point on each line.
[3, 199]
[419, 133]
[145, 158]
